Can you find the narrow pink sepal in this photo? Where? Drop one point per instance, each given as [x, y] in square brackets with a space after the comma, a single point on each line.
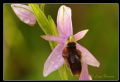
[54, 61]
[87, 57]
[53, 38]
[84, 73]
[80, 34]
[64, 21]
[24, 13]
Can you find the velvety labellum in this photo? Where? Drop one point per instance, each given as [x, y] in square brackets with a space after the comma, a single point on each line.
[72, 57]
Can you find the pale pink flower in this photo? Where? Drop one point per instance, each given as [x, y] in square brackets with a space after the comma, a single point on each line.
[24, 13]
[65, 29]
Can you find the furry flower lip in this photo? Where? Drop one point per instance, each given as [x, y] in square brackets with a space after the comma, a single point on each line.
[68, 50]
[72, 57]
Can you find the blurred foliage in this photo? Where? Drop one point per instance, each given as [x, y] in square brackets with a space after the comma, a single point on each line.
[25, 51]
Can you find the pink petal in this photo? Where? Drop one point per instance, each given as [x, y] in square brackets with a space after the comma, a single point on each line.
[80, 34]
[53, 38]
[24, 13]
[84, 73]
[54, 61]
[64, 22]
[87, 57]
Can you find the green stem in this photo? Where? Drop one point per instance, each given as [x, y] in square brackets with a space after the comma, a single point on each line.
[63, 73]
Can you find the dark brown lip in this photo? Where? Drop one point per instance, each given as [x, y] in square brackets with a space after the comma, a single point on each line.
[72, 57]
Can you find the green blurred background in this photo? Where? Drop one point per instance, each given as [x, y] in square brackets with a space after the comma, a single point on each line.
[25, 52]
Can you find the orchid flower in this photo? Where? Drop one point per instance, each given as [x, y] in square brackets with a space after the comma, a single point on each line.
[24, 13]
[65, 30]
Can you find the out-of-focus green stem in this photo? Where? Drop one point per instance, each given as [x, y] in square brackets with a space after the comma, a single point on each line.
[48, 26]
[63, 73]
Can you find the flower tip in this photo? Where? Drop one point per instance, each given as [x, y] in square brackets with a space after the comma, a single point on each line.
[90, 77]
[86, 30]
[12, 5]
[43, 36]
[98, 64]
[44, 74]
[63, 6]
[15, 5]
